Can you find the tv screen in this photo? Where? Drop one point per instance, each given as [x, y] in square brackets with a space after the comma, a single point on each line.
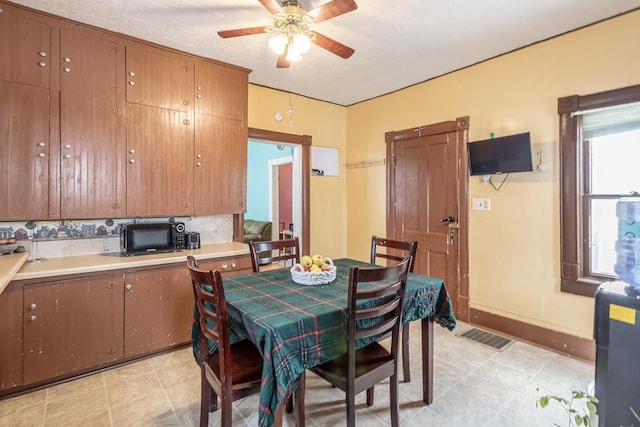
[504, 154]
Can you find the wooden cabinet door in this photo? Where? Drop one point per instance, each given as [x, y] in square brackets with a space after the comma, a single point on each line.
[158, 78]
[91, 126]
[158, 309]
[221, 165]
[11, 333]
[24, 150]
[71, 325]
[221, 90]
[25, 49]
[159, 162]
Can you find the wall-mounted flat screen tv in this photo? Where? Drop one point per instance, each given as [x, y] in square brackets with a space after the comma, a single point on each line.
[504, 154]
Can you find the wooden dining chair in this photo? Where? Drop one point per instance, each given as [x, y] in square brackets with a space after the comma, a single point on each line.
[397, 250]
[234, 370]
[264, 253]
[374, 312]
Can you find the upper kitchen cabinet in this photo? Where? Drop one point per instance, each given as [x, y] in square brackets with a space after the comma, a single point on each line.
[221, 90]
[25, 48]
[91, 124]
[221, 165]
[158, 78]
[159, 162]
[24, 150]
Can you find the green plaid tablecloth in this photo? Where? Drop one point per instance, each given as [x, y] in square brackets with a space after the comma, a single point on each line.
[297, 327]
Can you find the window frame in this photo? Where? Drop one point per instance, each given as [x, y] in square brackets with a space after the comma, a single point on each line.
[575, 277]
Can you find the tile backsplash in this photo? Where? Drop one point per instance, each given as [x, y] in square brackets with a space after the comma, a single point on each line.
[52, 239]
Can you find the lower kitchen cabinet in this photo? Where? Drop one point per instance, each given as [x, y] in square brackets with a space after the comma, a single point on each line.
[228, 266]
[71, 325]
[158, 309]
[11, 341]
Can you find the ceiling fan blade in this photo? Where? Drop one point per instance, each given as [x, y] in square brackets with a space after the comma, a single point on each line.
[282, 59]
[271, 5]
[332, 9]
[333, 46]
[242, 32]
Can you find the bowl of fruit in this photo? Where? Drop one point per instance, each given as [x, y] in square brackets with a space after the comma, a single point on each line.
[313, 270]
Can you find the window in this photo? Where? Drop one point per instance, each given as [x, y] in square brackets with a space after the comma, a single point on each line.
[599, 148]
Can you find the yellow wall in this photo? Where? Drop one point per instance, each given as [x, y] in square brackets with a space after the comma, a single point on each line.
[514, 248]
[326, 123]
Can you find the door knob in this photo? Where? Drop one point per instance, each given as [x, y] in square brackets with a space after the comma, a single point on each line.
[448, 219]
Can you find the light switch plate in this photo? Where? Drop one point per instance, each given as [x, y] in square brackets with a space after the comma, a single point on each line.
[481, 204]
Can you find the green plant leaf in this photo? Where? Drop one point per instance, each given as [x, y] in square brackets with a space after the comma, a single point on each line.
[578, 420]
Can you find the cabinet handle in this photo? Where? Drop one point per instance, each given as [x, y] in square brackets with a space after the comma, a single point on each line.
[186, 122]
[199, 88]
[129, 286]
[233, 265]
[198, 156]
[198, 96]
[132, 151]
[67, 146]
[224, 266]
[66, 156]
[66, 59]
[132, 83]
[67, 69]
[32, 306]
[41, 144]
[131, 73]
[33, 317]
[132, 161]
[42, 64]
[42, 53]
[41, 154]
[199, 164]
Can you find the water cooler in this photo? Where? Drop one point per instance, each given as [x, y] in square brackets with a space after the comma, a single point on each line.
[617, 326]
[617, 335]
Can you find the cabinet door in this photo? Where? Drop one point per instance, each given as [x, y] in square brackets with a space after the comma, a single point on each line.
[25, 49]
[71, 326]
[221, 90]
[159, 162]
[92, 129]
[11, 333]
[158, 78]
[221, 165]
[158, 309]
[24, 150]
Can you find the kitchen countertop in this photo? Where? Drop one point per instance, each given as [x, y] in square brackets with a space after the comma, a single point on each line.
[111, 261]
[9, 265]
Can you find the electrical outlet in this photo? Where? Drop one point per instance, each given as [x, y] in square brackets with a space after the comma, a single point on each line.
[481, 204]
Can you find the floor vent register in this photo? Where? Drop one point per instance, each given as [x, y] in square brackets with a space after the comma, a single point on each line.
[486, 338]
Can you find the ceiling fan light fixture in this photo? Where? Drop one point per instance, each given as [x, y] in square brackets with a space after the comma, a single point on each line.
[278, 43]
[293, 55]
[301, 43]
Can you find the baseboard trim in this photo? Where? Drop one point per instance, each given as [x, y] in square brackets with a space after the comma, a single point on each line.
[559, 342]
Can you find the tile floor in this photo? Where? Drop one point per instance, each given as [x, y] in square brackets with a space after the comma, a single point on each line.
[475, 385]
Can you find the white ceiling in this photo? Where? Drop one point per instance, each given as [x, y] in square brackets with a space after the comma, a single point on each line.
[397, 43]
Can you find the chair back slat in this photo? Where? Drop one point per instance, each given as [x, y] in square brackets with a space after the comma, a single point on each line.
[395, 250]
[284, 251]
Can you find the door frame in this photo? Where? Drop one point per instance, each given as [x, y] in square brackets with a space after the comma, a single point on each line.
[304, 143]
[274, 193]
[461, 127]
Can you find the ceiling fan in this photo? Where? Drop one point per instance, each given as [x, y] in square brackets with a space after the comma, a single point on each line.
[292, 26]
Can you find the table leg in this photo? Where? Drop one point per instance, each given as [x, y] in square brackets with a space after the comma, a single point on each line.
[298, 404]
[427, 360]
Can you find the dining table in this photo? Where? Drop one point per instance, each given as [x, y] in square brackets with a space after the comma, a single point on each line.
[297, 327]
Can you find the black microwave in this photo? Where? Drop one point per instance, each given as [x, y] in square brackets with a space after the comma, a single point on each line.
[151, 238]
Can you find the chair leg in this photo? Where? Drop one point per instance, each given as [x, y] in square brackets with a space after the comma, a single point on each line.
[370, 396]
[205, 400]
[227, 413]
[289, 406]
[406, 370]
[394, 400]
[351, 409]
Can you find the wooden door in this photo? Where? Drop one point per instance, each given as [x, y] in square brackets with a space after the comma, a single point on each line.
[11, 333]
[158, 309]
[25, 49]
[221, 90]
[221, 165]
[92, 126]
[24, 150]
[285, 190]
[158, 78]
[160, 162]
[71, 325]
[427, 202]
